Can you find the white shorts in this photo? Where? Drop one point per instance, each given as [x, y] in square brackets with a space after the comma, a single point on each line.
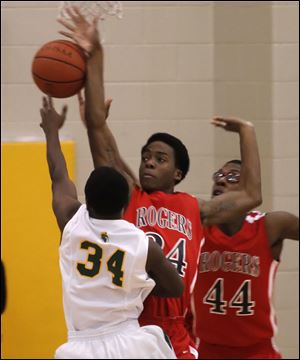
[128, 341]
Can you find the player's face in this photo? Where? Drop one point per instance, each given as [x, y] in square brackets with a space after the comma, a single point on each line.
[226, 179]
[157, 169]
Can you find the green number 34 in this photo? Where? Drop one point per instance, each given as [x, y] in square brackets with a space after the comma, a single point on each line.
[92, 266]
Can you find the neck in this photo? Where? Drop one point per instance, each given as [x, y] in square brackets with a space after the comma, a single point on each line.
[116, 216]
[167, 191]
[233, 227]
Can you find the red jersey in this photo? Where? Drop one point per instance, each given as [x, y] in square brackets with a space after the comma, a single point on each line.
[232, 297]
[173, 221]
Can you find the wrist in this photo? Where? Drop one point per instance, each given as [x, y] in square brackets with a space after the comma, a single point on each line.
[248, 124]
[246, 127]
[96, 48]
[51, 131]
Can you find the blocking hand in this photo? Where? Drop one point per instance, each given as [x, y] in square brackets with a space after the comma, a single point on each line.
[231, 124]
[82, 107]
[85, 34]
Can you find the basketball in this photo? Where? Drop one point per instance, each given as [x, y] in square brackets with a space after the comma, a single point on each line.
[59, 68]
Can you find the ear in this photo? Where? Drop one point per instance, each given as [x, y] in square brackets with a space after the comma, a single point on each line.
[178, 175]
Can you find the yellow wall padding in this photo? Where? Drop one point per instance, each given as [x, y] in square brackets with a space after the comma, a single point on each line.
[32, 325]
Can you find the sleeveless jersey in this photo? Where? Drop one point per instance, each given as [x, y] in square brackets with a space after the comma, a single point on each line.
[102, 264]
[173, 221]
[232, 298]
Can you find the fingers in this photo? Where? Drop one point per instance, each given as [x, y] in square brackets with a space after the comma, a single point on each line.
[45, 103]
[50, 101]
[68, 35]
[75, 14]
[72, 11]
[108, 102]
[80, 98]
[230, 121]
[107, 106]
[42, 112]
[96, 19]
[64, 111]
[218, 122]
[66, 24]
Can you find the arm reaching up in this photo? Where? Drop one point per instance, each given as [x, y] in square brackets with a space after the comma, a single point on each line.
[64, 196]
[102, 142]
[108, 136]
[228, 206]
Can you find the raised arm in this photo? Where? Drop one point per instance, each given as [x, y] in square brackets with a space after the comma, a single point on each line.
[102, 142]
[227, 206]
[108, 137]
[64, 196]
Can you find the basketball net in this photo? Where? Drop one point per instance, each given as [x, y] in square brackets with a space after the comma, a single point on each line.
[89, 9]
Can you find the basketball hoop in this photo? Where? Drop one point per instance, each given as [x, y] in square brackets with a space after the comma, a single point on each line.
[91, 8]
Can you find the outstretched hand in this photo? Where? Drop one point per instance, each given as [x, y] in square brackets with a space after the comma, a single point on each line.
[82, 107]
[85, 34]
[230, 124]
[50, 118]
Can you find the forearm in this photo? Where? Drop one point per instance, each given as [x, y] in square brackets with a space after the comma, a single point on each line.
[250, 170]
[117, 158]
[226, 207]
[95, 111]
[105, 153]
[55, 158]
[103, 145]
[166, 291]
[159, 291]
[100, 137]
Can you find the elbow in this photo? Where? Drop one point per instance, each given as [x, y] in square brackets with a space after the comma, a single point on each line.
[257, 199]
[177, 291]
[180, 289]
[256, 196]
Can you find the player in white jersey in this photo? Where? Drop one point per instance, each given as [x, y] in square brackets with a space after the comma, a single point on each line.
[108, 266]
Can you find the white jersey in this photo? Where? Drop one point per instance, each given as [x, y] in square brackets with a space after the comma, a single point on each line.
[102, 264]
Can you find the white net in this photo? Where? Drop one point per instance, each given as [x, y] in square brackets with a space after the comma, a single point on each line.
[91, 8]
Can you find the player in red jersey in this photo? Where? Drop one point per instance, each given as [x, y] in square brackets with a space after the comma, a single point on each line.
[173, 219]
[231, 303]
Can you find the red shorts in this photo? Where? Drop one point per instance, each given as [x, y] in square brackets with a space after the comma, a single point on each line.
[182, 343]
[262, 350]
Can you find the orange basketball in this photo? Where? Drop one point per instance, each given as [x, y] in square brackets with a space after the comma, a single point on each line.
[59, 68]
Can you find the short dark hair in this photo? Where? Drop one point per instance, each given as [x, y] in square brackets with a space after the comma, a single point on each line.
[106, 191]
[182, 160]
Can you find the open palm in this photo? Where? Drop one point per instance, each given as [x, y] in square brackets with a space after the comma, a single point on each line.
[85, 34]
[230, 124]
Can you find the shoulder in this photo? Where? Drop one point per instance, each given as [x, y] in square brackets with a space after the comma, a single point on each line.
[278, 218]
[281, 225]
[187, 196]
[64, 212]
[76, 215]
